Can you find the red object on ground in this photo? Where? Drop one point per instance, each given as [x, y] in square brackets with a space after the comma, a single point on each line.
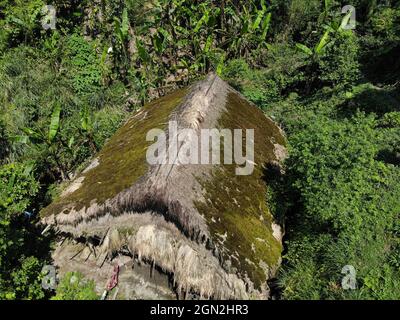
[112, 283]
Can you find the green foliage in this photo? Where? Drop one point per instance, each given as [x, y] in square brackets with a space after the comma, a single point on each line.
[334, 57]
[258, 86]
[17, 187]
[339, 65]
[27, 281]
[74, 287]
[386, 23]
[22, 20]
[83, 64]
[39, 118]
[20, 274]
[341, 188]
[301, 16]
[345, 209]
[43, 122]
[179, 39]
[391, 119]
[106, 122]
[54, 123]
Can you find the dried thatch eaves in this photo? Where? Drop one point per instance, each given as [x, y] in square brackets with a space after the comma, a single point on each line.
[206, 225]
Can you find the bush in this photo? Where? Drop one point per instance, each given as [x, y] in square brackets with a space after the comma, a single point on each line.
[339, 65]
[350, 200]
[391, 119]
[83, 64]
[17, 188]
[27, 280]
[22, 21]
[74, 287]
[20, 275]
[302, 17]
[385, 23]
[255, 85]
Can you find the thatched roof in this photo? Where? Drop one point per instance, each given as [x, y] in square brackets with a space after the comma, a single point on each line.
[205, 224]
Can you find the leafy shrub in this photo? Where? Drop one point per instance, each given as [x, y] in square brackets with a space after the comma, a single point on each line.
[17, 187]
[385, 22]
[351, 198]
[84, 65]
[22, 21]
[236, 70]
[255, 85]
[371, 99]
[391, 119]
[284, 66]
[28, 109]
[20, 272]
[339, 65]
[302, 17]
[27, 280]
[74, 287]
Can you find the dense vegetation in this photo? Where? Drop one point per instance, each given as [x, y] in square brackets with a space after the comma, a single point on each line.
[336, 93]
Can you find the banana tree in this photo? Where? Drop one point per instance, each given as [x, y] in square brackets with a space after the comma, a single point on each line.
[47, 141]
[248, 29]
[87, 129]
[326, 39]
[319, 48]
[121, 32]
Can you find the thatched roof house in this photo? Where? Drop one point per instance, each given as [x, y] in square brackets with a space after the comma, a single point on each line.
[205, 225]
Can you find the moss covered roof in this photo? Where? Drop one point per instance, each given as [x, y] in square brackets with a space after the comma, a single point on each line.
[237, 207]
[227, 209]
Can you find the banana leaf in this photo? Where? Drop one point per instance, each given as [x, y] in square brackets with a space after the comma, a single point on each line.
[346, 20]
[54, 123]
[86, 121]
[203, 20]
[257, 22]
[266, 25]
[20, 139]
[125, 24]
[208, 44]
[304, 49]
[323, 42]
